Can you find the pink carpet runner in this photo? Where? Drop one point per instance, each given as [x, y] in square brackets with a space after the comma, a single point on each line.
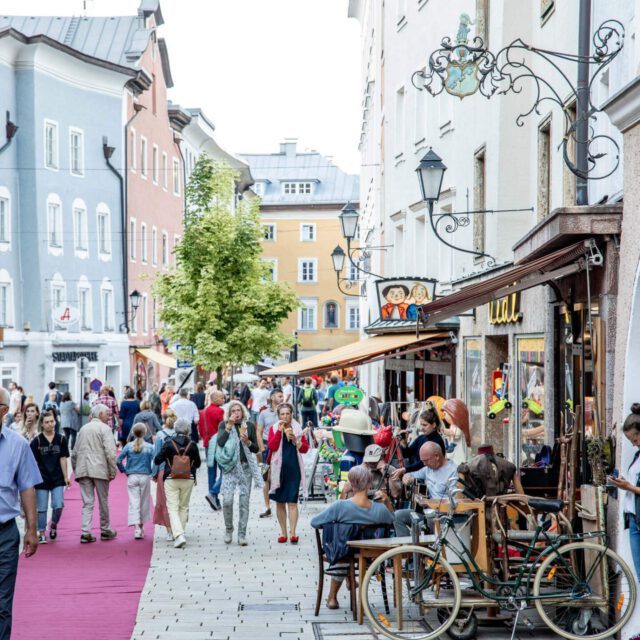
[73, 590]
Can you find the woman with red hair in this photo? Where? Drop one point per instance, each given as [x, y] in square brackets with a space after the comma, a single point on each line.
[456, 417]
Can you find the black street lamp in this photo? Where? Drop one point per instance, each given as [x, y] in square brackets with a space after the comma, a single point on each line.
[337, 257]
[430, 174]
[349, 221]
[135, 298]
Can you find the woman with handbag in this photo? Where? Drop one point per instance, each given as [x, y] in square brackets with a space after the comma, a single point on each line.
[182, 459]
[286, 443]
[236, 444]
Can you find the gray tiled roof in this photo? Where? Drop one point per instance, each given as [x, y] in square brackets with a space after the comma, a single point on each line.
[118, 40]
[332, 184]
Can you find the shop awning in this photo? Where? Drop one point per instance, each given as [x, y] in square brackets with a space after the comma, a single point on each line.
[354, 354]
[526, 275]
[158, 357]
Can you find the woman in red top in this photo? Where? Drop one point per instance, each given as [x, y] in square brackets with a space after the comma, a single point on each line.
[210, 419]
[287, 443]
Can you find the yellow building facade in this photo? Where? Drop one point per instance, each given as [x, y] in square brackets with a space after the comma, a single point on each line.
[302, 195]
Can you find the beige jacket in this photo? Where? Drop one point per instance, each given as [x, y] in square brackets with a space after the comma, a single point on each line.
[94, 455]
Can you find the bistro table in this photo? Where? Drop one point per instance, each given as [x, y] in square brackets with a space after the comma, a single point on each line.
[371, 549]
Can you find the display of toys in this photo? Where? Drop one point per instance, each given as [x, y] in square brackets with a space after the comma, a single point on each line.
[500, 388]
[533, 406]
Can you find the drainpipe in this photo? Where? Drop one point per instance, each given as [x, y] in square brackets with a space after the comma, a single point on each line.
[582, 104]
[11, 130]
[107, 151]
[176, 141]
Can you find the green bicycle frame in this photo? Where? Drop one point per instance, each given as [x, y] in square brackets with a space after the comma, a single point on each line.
[478, 576]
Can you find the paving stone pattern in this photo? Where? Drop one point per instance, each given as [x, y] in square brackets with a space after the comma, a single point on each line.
[197, 592]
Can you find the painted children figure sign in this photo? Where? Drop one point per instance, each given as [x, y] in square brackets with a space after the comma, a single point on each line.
[399, 298]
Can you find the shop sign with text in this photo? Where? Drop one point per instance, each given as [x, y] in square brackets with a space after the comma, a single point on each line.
[505, 310]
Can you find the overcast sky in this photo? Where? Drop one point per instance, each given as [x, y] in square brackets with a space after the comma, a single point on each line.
[262, 70]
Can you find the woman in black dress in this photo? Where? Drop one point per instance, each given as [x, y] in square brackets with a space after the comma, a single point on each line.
[287, 443]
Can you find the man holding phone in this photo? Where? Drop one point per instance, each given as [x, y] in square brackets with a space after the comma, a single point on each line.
[19, 475]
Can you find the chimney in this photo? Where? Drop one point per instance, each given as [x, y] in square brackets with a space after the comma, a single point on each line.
[288, 147]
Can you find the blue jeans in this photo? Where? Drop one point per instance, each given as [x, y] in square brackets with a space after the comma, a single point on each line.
[214, 483]
[9, 546]
[634, 543]
[42, 502]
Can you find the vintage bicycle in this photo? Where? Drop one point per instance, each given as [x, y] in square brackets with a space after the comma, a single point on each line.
[580, 588]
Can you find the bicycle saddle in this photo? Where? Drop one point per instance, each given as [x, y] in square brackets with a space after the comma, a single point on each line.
[546, 506]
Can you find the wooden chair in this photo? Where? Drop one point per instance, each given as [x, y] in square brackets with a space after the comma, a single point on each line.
[351, 569]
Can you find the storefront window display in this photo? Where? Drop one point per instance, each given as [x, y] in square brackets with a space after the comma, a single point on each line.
[473, 386]
[530, 396]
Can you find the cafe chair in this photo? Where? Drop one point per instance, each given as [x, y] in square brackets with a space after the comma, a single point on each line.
[347, 563]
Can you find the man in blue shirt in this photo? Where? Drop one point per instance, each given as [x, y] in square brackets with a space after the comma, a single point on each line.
[18, 476]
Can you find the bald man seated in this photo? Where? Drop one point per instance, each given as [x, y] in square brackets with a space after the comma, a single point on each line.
[439, 474]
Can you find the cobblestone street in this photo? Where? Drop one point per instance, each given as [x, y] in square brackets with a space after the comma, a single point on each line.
[266, 590]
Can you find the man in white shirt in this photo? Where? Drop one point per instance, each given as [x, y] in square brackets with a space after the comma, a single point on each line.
[287, 390]
[15, 401]
[259, 399]
[187, 410]
[440, 476]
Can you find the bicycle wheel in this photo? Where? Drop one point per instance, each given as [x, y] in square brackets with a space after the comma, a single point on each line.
[587, 591]
[402, 603]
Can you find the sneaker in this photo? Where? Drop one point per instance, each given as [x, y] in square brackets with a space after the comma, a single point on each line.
[53, 531]
[110, 534]
[42, 539]
[228, 537]
[87, 537]
[139, 534]
[180, 542]
[169, 537]
[242, 541]
[213, 501]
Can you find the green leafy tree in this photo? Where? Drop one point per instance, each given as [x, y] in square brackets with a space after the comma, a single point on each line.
[219, 299]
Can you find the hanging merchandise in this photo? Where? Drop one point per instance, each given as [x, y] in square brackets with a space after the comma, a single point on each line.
[500, 390]
[534, 400]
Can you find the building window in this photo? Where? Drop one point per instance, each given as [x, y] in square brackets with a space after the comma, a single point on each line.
[80, 228]
[271, 269]
[399, 128]
[300, 188]
[108, 323]
[308, 232]
[269, 232]
[352, 271]
[143, 243]
[84, 307]
[258, 188]
[51, 145]
[176, 240]
[154, 312]
[76, 151]
[143, 157]
[132, 239]
[154, 164]
[165, 249]
[165, 172]
[104, 231]
[54, 222]
[353, 316]
[307, 270]
[6, 299]
[568, 177]
[58, 301]
[307, 314]
[5, 219]
[176, 177]
[134, 150]
[479, 202]
[544, 169]
[401, 13]
[145, 313]
[421, 115]
[331, 314]
[154, 246]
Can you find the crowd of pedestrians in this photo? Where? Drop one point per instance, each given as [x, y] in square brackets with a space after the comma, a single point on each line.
[249, 439]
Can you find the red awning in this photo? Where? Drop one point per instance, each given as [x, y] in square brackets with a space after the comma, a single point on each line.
[526, 275]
